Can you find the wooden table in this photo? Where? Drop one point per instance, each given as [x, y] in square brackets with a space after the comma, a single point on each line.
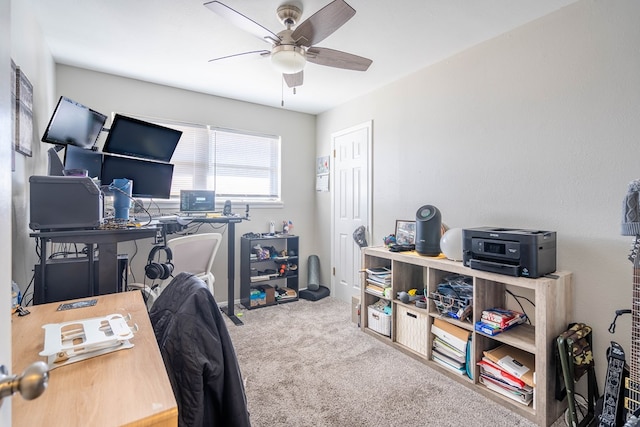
[126, 387]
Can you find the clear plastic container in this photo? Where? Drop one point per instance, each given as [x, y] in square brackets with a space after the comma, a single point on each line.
[16, 295]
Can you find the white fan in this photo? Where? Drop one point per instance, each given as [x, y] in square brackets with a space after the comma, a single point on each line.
[292, 48]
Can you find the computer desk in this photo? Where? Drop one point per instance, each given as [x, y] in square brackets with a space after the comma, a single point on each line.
[129, 387]
[107, 243]
[231, 257]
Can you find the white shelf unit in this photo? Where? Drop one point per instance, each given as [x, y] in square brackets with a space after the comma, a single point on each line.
[410, 325]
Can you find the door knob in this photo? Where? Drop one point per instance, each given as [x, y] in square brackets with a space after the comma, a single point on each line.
[31, 383]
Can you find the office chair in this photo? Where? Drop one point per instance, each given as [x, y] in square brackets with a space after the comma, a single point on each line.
[195, 254]
[192, 254]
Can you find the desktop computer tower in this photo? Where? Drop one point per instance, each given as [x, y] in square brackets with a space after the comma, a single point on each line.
[68, 278]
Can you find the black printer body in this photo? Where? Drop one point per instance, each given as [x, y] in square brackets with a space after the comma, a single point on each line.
[64, 203]
[514, 252]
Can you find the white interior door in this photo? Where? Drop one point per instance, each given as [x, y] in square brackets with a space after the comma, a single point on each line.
[351, 205]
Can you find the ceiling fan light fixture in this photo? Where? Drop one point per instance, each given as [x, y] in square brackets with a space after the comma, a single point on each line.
[288, 59]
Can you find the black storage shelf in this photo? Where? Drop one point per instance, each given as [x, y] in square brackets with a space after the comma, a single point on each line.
[288, 280]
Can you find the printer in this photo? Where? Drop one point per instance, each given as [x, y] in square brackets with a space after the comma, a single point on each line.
[514, 252]
[64, 203]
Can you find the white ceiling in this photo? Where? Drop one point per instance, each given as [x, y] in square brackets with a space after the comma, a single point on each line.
[171, 41]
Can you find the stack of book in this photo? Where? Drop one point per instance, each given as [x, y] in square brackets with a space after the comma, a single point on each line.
[378, 279]
[510, 372]
[450, 346]
[497, 320]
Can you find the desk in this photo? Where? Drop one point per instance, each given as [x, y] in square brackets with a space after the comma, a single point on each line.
[107, 241]
[231, 258]
[127, 387]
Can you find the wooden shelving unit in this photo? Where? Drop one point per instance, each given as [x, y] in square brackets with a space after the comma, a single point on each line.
[410, 325]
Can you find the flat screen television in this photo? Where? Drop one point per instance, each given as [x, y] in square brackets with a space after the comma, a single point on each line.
[82, 158]
[137, 138]
[150, 179]
[73, 124]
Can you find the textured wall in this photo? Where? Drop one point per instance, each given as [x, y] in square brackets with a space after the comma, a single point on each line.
[536, 128]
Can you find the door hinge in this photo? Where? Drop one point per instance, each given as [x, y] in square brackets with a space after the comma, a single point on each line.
[334, 271]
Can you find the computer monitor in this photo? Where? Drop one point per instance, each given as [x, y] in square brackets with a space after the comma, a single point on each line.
[73, 124]
[197, 201]
[150, 179]
[137, 138]
[82, 158]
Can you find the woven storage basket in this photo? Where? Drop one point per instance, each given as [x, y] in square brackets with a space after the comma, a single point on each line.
[379, 321]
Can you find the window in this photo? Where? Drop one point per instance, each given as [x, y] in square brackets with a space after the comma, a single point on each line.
[239, 166]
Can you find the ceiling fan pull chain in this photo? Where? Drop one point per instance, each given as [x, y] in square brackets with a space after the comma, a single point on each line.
[282, 91]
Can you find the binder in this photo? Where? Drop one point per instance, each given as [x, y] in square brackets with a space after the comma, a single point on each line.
[517, 362]
[448, 359]
[451, 334]
[450, 367]
[448, 350]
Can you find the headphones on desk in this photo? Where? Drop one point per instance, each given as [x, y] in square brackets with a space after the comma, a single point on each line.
[155, 270]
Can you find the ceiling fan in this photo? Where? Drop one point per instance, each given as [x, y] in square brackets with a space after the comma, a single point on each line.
[292, 48]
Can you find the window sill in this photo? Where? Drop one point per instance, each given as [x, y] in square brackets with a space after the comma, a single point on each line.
[173, 205]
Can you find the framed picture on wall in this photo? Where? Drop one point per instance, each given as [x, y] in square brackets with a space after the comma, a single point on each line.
[24, 114]
[405, 232]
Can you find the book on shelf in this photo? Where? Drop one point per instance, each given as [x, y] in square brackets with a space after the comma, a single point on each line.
[380, 284]
[376, 290]
[490, 329]
[502, 317]
[285, 293]
[436, 358]
[378, 271]
[448, 350]
[262, 277]
[518, 363]
[450, 360]
[451, 334]
[489, 368]
[521, 397]
[377, 280]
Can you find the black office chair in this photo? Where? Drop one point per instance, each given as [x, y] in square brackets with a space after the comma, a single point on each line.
[199, 355]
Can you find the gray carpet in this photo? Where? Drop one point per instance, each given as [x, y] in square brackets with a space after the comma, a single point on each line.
[306, 364]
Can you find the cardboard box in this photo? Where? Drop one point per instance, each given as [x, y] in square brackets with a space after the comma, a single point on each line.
[270, 293]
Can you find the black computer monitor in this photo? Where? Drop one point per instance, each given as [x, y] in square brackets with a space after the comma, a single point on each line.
[73, 124]
[82, 158]
[137, 138]
[197, 201]
[150, 179]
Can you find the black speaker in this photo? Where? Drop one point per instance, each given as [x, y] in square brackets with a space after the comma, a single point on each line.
[226, 211]
[428, 230]
[155, 270]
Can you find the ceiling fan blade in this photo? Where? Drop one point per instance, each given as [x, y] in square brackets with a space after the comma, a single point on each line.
[337, 59]
[261, 52]
[294, 80]
[243, 22]
[323, 23]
